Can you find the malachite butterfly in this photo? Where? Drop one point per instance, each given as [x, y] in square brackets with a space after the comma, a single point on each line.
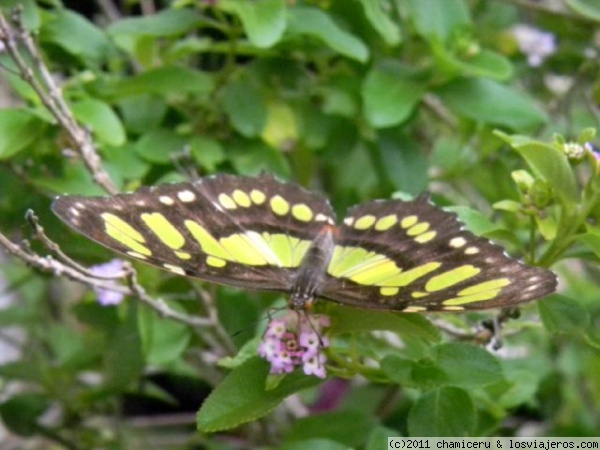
[263, 234]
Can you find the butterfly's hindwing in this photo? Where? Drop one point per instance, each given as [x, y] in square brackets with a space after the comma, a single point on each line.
[413, 256]
[240, 231]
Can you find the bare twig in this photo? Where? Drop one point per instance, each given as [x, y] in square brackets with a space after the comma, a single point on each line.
[14, 35]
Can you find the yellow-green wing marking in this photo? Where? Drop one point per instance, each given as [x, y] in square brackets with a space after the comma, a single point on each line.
[412, 256]
[241, 231]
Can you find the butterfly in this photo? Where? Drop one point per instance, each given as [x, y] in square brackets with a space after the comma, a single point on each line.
[260, 233]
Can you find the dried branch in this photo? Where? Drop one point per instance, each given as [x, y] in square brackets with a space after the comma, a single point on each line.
[15, 36]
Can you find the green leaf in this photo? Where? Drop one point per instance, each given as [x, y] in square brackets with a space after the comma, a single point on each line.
[421, 374]
[158, 146]
[348, 427]
[591, 239]
[102, 120]
[20, 413]
[467, 365]
[313, 444]
[389, 95]
[562, 314]
[241, 397]
[263, 20]
[77, 36]
[351, 320]
[387, 28]
[168, 22]
[316, 23]
[18, 130]
[547, 162]
[166, 80]
[447, 411]
[378, 438]
[474, 220]
[438, 20]
[490, 102]
[163, 341]
[207, 152]
[587, 8]
[142, 113]
[252, 158]
[485, 63]
[404, 161]
[245, 108]
[124, 362]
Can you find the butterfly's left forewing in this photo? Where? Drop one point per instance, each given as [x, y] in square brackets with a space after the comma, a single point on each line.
[412, 256]
[239, 231]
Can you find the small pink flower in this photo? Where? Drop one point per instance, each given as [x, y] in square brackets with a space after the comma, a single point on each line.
[293, 341]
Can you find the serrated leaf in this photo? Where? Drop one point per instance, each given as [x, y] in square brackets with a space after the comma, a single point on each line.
[316, 23]
[241, 397]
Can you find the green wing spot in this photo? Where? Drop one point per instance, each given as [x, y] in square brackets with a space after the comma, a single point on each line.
[408, 221]
[387, 222]
[472, 298]
[215, 262]
[345, 259]
[258, 197]
[364, 222]
[241, 198]
[485, 286]
[124, 233]
[226, 201]
[279, 205]
[374, 271]
[164, 230]
[426, 237]
[452, 277]
[409, 276]
[417, 229]
[302, 212]
[209, 244]
[389, 291]
[249, 248]
[288, 249]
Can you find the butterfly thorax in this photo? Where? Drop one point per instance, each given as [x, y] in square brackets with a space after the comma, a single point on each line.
[312, 270]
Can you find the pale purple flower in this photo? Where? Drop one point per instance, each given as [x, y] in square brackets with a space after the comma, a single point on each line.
[296, 340]
[107, 297]
[534, 43]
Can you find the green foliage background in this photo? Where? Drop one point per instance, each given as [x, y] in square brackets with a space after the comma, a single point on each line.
[358, 99]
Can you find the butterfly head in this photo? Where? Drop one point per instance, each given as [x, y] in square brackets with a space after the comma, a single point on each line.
[301, 300]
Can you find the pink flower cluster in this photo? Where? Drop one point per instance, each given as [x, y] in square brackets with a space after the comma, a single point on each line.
[296, 340]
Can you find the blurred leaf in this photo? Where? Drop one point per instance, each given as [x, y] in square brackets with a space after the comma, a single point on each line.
[253, 157]
[21, 412]
[207, 152]
[387, 28]
[404, 162]
[245, 108]
[143, 112]
[447, 411]
[124, 362]
[348, 427]
[475, 221]
[487, 101]
[485, 63]
[561, 314]
[159, 145]
[378, 438]
[163, 341]
[351, 320]
[18, 130]
[263, 20]
[241, 396]
[389, 95]
[467, 365]
[76, 35]
[591, 239]
[316, 23]
[420, 374]
[167, 22]
[102, 120]
[438, 20]
[313, 444]
[587, 8]
[280, 130]
[165, 80]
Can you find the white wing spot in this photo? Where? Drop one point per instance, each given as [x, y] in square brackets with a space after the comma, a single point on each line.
[165, 200]
[186, 196]
[175, 269]
[457, 242]
[473, 251]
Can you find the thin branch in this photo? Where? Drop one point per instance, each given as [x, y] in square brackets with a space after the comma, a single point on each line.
[12, 36]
